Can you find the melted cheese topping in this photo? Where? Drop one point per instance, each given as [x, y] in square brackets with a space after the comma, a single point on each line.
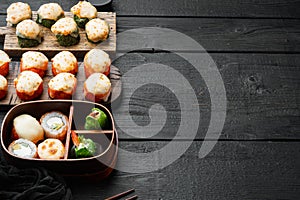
[98, 83]
[97, 30]
[64, 61]
[29, 128]
[64, 26]
[50, 11]
[98, 60]
[34, 59]
[28, 82]
[51, 149]
[63, 82]
[84, 9]
[3, 83]
[17, 12]
[3, 58]
[28, 29]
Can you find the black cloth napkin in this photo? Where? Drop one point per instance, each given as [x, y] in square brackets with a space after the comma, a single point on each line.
[31, 184]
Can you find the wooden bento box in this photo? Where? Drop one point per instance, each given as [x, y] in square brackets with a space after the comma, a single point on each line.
[100, 165]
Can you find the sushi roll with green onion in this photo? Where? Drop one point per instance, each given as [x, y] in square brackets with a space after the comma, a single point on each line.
[66, 32]
[55, 125]
[29, 34]
[18, 12]
[49, 13]
[23, 148]
[83, 11]
[97, 30]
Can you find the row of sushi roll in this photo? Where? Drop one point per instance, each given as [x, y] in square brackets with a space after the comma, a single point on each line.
[34, 64]
[52, 16]
[4, 70]
[44, 138]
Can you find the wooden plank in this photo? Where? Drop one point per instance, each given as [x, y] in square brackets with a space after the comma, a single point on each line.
[211, 8]
[233, 170]
[12, 98]
[50, 46]
[262, 96]
[224, 35]
[203, 8]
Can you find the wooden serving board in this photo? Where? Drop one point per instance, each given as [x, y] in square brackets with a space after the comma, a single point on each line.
[50, 46]
[14, 69]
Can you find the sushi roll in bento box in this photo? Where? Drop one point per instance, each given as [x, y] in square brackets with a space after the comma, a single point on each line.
[88, 149]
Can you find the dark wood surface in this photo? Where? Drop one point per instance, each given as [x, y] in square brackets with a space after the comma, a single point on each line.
[255, 45]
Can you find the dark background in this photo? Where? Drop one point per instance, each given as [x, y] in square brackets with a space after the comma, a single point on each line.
[256, 47]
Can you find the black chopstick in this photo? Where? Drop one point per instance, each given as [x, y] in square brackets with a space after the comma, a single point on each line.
[132, 198]
[120, 195]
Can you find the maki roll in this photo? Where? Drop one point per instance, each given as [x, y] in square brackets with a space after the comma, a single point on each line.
[64, 61]
[83, 11]
[3, 86]
[97, 30]
[4, 63]
[52, 149]
[96, 61]
[66, 31]
[55, 125]
[34, 61]
[83, 147]
[49, 13]
[23, 148]
[29, 33]
[97, 88]
[29, 85]
[27, 127]
[62, 86]
[18, 12]
[97, 119]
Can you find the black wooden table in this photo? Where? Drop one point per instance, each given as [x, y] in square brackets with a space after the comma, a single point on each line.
[255, 46]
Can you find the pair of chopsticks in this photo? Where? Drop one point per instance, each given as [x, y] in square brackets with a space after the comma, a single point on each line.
[117, 196]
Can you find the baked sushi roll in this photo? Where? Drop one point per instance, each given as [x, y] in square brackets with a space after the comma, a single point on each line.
[97, 30]
[62, 86]
[23, 148]
[29, 85]
[3, 87]
[34, 61]
[97, 87]
[64, 61]
[96, 61]
[4, 63]
[27, 127]
[29, 33]
[55, 125]
[52, 149]
[18, 12]
[83, 11]
[49, 13]
[66, 31]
